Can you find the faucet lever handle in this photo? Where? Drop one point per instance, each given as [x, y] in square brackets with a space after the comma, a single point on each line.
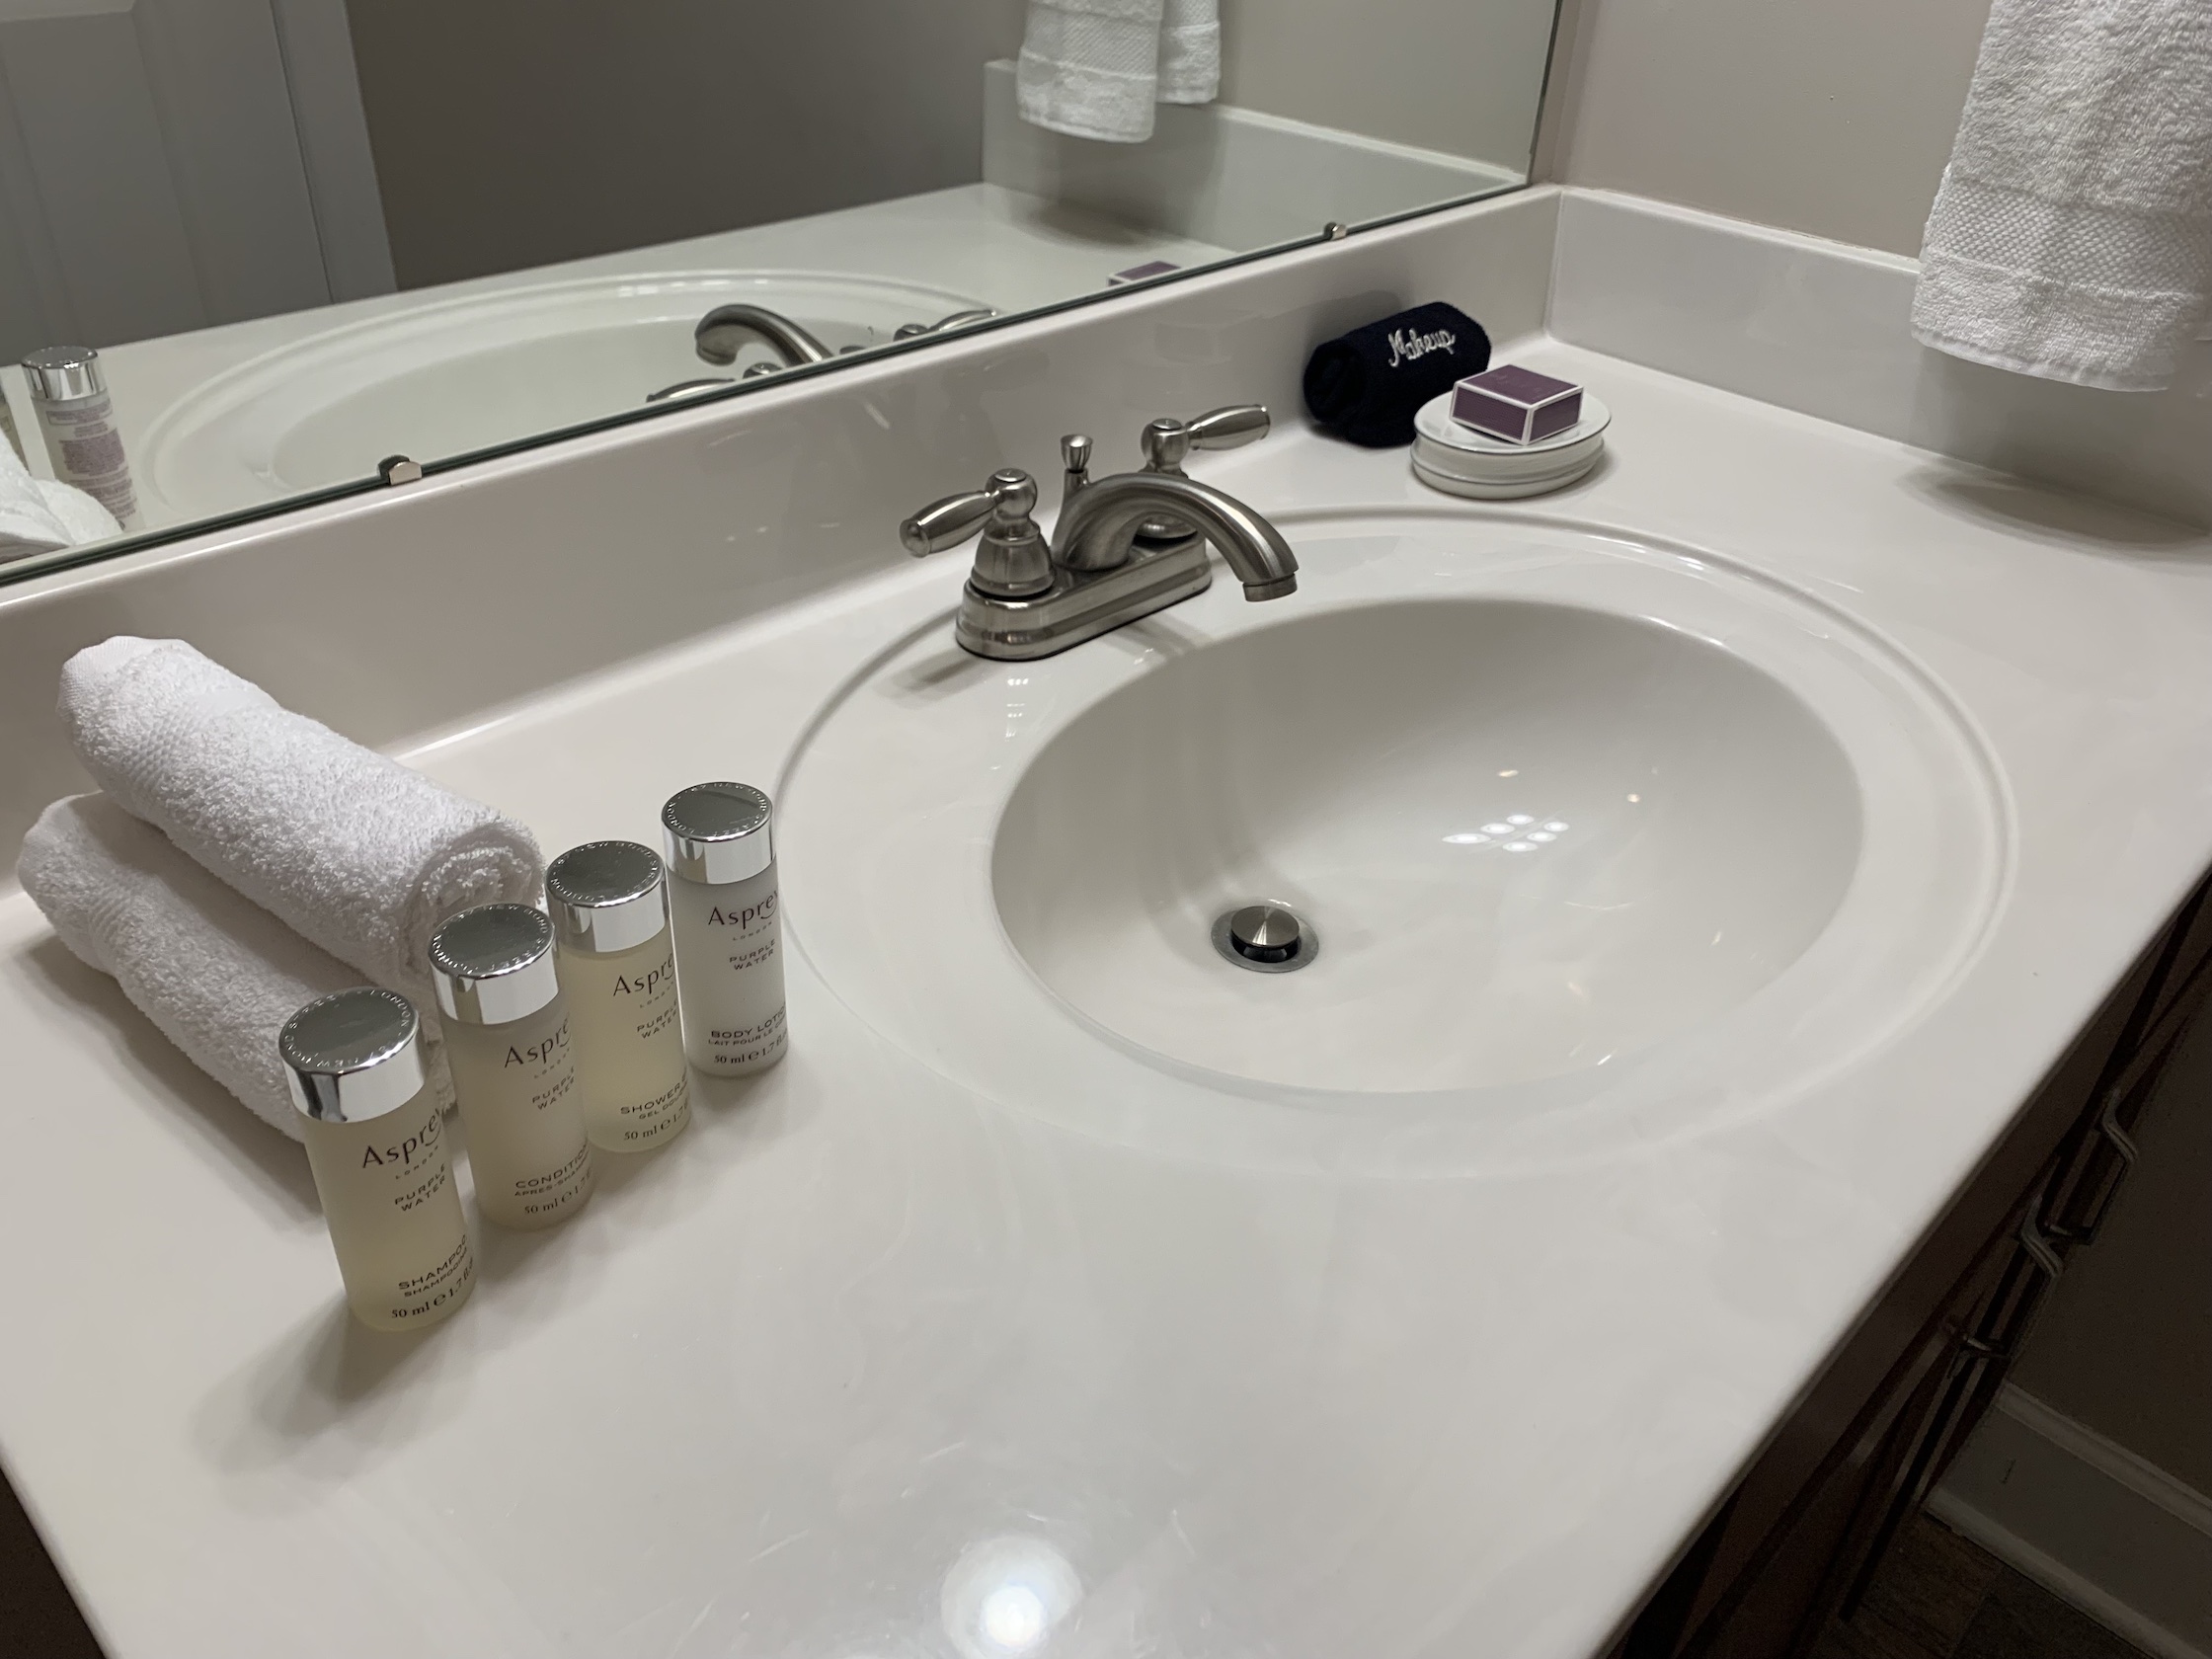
[945, 325]
[1230, 426]
[947, 523]
[1013, 561]
[1166, 441]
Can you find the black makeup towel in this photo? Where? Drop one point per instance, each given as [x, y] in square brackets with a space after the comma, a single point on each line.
[1366, 386]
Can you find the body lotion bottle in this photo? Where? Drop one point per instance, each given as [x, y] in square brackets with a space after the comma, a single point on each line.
[376, 1143]
[617, 962]
[729, 936]
[507, 1035]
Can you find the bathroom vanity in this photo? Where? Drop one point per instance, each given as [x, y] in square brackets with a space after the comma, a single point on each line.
[1549, 1269]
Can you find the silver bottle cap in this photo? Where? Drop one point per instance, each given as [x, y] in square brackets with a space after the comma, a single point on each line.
[352, 1056]
[64, 374]
[717, 832]
[494, 964]
[606, 896]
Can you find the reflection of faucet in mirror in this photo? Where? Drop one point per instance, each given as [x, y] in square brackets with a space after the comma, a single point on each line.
[727, 330]
[943, 325]
[1128, 545]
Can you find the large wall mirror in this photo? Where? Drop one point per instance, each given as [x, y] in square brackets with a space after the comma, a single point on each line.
[250, 249]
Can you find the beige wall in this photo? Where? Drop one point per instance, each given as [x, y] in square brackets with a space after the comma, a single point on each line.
[1461, 76]
[511, 134]
[1830, 116]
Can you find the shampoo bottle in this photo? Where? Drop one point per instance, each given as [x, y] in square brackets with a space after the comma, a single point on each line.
[729, 937]
[376, 1143]
[617, 962]
[507, 1037]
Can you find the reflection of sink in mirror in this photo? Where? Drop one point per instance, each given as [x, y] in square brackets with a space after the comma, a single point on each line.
[466, 375]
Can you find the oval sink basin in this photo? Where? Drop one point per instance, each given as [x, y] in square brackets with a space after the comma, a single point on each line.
[1531, 837]
[1603, 841]
[451, 376]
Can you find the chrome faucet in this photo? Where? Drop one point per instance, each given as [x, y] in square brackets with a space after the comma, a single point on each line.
[727, 330]
[1128, 545]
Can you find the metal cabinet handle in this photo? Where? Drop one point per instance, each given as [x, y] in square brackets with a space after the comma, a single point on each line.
[2125, 1149]
[2039, 1249]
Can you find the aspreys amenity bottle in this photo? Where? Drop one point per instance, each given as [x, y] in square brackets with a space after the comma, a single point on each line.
[617, 962]
[507, 1040]
[729, 936]
[376, 1144]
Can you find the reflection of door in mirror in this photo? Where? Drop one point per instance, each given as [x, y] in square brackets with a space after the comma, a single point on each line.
[305, 236]
[170, 164]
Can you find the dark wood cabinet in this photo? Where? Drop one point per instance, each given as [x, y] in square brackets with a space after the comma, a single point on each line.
[1799, 1539]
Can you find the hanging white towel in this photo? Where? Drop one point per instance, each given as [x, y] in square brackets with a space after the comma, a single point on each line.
[1095, 68]
[2072, 237]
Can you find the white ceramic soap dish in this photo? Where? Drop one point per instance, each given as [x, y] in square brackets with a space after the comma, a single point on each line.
[1461, 461]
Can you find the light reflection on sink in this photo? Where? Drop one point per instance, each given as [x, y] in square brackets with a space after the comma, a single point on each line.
[1774, 844]
[456, 376]
[1534, 836]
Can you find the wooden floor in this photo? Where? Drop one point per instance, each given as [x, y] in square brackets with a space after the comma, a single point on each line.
[1939, 1596]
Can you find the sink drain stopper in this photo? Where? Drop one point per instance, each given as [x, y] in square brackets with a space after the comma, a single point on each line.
[1267, 938]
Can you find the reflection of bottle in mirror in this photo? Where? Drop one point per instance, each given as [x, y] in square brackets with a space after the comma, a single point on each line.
[729, 936]
[617, 961]
[8, 431]
[77, 420]
[376, 1143]
[507, 1035]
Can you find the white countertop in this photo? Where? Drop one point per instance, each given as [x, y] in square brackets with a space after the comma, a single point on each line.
[781, 1387]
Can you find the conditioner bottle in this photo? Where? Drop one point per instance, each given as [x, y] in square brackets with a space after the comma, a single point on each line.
[507, 1035]
[729, 937]
[617, 962]
[376, 1143]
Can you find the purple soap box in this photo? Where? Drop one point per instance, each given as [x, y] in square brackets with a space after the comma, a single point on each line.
[1517, 404]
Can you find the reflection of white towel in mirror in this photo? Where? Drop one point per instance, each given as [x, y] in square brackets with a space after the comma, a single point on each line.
[1094, 69]
[37, 515]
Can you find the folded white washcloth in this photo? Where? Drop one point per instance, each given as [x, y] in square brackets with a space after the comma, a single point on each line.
[351, 851]
[2072, 237]
[1095, 68]
[39, 514]
[218, 976]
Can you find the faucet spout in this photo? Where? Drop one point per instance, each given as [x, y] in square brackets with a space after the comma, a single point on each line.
[1097, 528]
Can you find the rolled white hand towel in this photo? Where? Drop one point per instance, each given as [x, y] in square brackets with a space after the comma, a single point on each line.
[351, 851]
[218, 976]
